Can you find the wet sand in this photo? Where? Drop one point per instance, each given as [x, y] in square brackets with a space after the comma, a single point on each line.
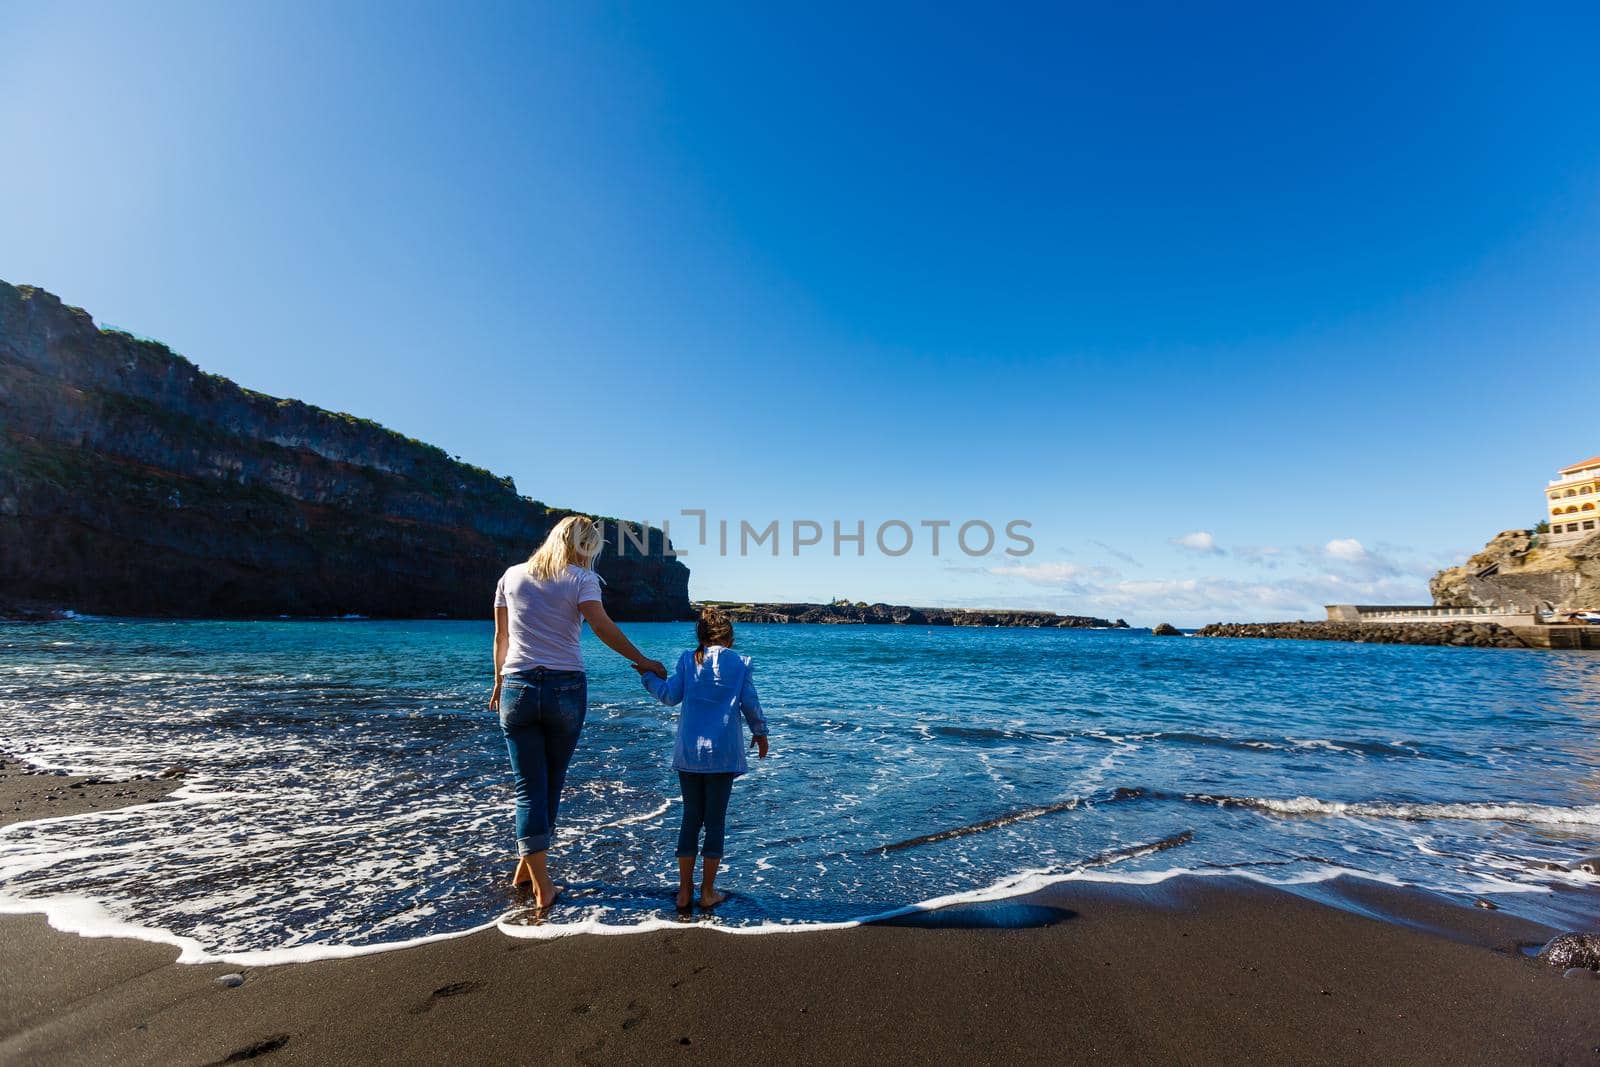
[1192, 971]
[29, 794]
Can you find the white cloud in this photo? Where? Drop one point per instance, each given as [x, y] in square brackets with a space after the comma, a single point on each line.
[1192, 601]
[1059, 573]
[1348, 556]
[1269, 583]
[1074, 589]
[1043, 573]
[1200, 541]
[1347, 549]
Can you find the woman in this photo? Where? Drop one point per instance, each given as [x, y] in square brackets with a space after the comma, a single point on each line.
[540, 690]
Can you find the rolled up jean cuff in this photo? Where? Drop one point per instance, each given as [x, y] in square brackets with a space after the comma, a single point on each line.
[527, 846]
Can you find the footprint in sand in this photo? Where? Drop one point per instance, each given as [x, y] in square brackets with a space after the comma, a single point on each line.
[454, 989]
[250, 1052]
[639, 1013]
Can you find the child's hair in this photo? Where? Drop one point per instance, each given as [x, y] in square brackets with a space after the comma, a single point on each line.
[712, 628]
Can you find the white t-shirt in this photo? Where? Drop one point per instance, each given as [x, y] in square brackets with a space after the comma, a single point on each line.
[544, 618]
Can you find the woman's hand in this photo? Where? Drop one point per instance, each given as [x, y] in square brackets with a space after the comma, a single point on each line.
[651, 666]
[494, 699]
[759, 743]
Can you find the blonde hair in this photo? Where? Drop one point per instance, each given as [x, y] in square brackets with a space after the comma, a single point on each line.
[575, 539]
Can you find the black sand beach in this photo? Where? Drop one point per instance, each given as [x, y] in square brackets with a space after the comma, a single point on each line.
[1193, 971]
[26, 793]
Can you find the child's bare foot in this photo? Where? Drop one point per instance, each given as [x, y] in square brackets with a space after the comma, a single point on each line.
[711, 899]
[685, 882]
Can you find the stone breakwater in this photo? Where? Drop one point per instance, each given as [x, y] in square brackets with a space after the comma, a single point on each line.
[901, 615]
[134, 483]
[1469, 634]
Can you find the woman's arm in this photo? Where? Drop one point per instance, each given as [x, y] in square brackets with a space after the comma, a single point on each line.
[616, 640]
[502, 638]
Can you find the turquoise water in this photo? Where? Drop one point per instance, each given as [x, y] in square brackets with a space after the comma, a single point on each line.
[348, 787]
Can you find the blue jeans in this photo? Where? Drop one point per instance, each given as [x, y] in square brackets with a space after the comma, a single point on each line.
[705, 803]
[541, 714]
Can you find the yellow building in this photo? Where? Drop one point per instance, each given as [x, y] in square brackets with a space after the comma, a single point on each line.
[1573, 500]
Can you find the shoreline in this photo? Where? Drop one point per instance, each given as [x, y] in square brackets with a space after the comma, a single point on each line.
[863, 614]
[1190, 968]
[39, 796]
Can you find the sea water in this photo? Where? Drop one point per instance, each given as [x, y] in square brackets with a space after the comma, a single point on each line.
[347, 788]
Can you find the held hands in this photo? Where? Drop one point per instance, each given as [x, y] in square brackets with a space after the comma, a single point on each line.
[759, 743]
[651, 666]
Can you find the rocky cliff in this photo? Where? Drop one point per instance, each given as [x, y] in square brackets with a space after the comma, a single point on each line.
[1515, 570]
[133, 483]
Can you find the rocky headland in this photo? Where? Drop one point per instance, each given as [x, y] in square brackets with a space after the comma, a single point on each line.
[862, 614]
[1469, 634]
[134, 483]
[1517, 570]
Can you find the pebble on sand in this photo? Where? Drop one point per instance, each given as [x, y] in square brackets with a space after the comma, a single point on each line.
[232, 981]
[1571, 951]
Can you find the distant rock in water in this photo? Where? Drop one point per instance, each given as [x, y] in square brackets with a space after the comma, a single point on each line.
[899, 614]
[133, 483]
[1166, 629]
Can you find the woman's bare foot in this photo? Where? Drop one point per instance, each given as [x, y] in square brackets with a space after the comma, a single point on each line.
[523, 873]
[547, 894]
[545, 891]
[711, 898]
[685, 897]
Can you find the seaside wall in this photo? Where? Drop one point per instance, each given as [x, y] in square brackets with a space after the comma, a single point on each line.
[133, 483]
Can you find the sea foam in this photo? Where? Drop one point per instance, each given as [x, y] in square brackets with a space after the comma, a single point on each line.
[348, 791]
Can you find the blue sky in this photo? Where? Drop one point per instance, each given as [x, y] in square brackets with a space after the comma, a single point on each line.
[1244, 309]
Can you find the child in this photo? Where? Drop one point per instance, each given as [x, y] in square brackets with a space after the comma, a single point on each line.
[713, 684]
